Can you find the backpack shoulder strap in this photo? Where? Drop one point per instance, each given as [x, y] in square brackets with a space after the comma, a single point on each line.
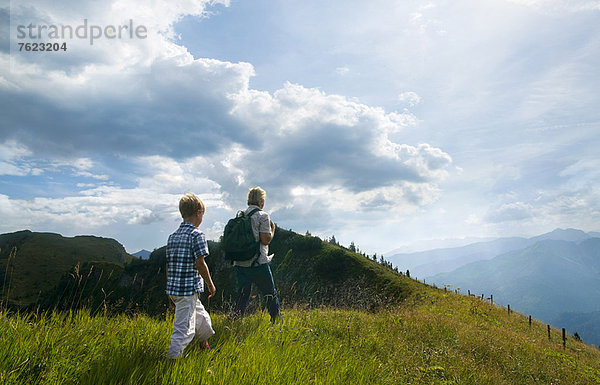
[255, 259]
[252, 212]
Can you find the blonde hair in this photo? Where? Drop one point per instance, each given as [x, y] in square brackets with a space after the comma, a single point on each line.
[189, 204]
[255, 195]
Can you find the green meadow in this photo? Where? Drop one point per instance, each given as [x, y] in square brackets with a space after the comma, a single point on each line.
[433, 337]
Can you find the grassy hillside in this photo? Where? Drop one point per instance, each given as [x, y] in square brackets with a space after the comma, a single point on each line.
[346, 319]
[108, 286]
[32, 263]
[307, 271]
[432, 338]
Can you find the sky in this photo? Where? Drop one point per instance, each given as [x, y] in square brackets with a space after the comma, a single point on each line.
[382, 123]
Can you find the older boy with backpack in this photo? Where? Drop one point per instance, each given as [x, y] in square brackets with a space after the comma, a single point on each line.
[246, 242]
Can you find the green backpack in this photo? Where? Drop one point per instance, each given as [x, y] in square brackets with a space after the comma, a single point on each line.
[238, 240]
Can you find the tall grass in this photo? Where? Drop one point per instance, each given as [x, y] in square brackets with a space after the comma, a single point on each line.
[7, 278]
[433, 338]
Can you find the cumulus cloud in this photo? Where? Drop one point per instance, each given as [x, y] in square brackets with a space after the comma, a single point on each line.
[338, 149]
[120, 94]
[167, 123]
[154, 198]
[143, 217]
[178, 110]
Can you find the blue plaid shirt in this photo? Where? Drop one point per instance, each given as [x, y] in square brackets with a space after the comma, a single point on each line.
[184, 246]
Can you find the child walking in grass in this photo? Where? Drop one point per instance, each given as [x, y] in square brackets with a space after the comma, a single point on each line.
[186, 274]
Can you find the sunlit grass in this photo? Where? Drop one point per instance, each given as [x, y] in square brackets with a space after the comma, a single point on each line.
[433, 338]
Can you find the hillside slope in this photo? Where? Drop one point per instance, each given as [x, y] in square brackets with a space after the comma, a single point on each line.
[32, 263]
[346, 319]
[431, 338]
[307, 272]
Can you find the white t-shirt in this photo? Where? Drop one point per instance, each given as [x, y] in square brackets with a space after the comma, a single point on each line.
[261, 223]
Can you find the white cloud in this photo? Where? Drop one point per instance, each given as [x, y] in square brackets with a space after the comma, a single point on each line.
[18, 160]
[410, 98]
[144, 114]
[143, 217]
[11, 159]
[340, 149]
[7, 168]
[516, 211]
[196, 125]
[153, 199]
[10, 150]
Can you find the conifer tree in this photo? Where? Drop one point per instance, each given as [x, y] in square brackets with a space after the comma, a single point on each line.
[333, 241]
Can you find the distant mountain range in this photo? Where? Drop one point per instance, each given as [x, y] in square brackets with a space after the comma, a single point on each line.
[554, 277]
[142, 254]
[428, 263]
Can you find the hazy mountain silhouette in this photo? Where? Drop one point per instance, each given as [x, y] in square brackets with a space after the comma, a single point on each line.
[142, 254]
[546, 279]
[429, 263]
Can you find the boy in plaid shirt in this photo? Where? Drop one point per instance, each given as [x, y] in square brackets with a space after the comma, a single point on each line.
[186, 274]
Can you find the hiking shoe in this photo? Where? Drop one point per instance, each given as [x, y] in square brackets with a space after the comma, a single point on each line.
[204, 345]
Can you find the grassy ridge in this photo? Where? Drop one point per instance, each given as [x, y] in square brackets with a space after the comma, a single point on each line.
[32, 263]
[432, 338]
[307, 271]
[398, 331]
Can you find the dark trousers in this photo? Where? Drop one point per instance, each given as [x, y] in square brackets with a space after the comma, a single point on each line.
[262, 277]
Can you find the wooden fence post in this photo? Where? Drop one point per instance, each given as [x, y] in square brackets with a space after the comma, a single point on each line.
[549, 337]
[529, 321]
[508, 309]
[491, 299]
[564, 336]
